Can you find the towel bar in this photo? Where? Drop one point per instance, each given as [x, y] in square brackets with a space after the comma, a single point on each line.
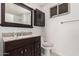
[68, 21]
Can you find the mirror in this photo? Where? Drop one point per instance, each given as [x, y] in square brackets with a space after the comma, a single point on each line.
[16, 15]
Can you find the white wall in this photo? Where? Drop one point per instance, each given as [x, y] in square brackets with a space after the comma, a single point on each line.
[65, 37]
[35, 30]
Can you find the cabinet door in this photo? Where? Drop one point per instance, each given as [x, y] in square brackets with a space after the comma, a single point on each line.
[12, 53]
[39, 19]
[16, 52]
[37, 47]
[42, 19]
[20, 51]
[28, 50]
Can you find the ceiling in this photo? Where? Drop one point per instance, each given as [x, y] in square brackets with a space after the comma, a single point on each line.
[42, 4]
[45, 4]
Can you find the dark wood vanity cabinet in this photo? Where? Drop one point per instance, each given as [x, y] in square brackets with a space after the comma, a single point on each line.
[23, 47]
[39, 18]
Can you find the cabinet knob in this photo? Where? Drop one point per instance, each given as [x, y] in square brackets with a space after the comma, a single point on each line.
[25, 50]
[22, 52]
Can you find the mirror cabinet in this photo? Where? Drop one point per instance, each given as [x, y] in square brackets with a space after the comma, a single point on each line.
[16, 15]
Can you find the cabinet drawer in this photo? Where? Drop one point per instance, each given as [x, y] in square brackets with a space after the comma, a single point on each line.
[17, 43]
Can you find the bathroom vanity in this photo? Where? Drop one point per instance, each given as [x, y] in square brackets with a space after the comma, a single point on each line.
[30, 46]
[23, 43]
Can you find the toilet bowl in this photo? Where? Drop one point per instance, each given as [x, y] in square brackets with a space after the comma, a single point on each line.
[47, 48]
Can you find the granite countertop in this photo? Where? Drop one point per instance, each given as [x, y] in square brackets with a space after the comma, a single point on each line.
[5, 39]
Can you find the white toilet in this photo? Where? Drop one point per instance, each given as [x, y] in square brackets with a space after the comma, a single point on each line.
[46, 48]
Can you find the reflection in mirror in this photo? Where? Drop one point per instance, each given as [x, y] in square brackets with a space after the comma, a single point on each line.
[17, 14]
